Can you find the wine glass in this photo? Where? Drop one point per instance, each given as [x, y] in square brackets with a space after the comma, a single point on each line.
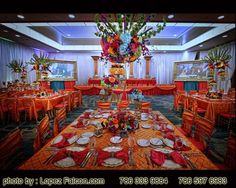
[131, 142]
[92, 143]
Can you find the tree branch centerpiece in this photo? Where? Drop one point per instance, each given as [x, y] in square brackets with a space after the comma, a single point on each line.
[41, 65]
[18, 67]
[218, 62]
[124, 36]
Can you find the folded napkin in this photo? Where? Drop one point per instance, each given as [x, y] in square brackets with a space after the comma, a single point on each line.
[80, 124]
[159, 158]
[86, 115]
[178, 144]
[64, 141]
[103, 155]
[77, 156]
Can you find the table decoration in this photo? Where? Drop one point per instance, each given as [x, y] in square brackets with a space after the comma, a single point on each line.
[121, 121]
[125, 40]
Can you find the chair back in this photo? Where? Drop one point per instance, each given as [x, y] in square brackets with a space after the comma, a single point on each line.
[43, 131]
[204, 128]
[187, 121]
[180, 92]
[145, 105]
[59, 121]
[29, 105]
[103, 105]
[11, 148]
[230, 157]
[192, 92]
[123, 104]
[202, 92]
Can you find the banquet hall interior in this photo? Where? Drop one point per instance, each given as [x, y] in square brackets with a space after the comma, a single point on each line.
[117, 91]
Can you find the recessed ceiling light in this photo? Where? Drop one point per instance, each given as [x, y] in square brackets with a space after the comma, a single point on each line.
[72, 16]
[175, 35]
[220, 17]
[5, 31]
[164, 51]
[20, 16]
[58, 51]
[201, 45]
[171, 16]
[224, 36]
[68, 35]
[17, 35]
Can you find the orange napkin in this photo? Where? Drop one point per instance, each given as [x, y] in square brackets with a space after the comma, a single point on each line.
[63, 142]
[77, 156]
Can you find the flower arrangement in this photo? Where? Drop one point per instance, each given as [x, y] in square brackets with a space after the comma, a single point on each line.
[125, 40]
[136, 94]
[16, 66]
[41, 64]
[110, 82]
[218, 58]
[120, 121]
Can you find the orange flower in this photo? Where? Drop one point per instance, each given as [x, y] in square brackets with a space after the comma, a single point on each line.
[117, 37]
[111, 51]
[111, 79]
[110, 39]
[115, 121]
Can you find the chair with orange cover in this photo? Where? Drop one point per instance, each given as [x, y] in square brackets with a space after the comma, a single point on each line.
[192, 92]
[49, 90]
[145, 106]
[202, 92]
[187, 122]
[203, 133]
[76, 99]
[122, 104]
[64, 104]
[43, 134]
[11, 149]
[59, 121]
[31, 109]
[103, 105]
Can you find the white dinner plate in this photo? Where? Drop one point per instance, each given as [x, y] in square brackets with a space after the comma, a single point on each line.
[143, 142]
[106, 115]
[87, 134]
[70, 140]
[168, 142]
[75, 148]
[156, 141]
[66, 162]
[113, 162]
[112, 148]
[89, 110]
[146, 126]
[116, 139]
[98, 116]
[83, 140]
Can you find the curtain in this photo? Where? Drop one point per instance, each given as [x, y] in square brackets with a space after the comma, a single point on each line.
[11, 51]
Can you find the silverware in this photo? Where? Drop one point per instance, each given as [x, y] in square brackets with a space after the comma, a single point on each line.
[95, 159]
[131, 159]
[89, 154]
[189, 161]
[47, 161]
[147, 158]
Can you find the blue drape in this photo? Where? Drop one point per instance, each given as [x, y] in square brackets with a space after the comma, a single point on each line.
[56, 85]
[190, 86]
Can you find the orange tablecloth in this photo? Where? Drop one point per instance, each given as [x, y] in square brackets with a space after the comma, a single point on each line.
[88, 89]
[36, 161]
[212, 106]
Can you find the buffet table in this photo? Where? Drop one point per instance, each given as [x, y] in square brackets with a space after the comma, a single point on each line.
[39, 160]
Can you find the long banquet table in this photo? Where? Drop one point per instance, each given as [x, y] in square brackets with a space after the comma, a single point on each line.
[36, 162]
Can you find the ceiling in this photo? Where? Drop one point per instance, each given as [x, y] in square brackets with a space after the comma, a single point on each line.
[58, 32]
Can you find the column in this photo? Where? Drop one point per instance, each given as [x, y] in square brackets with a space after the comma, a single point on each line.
[148, 60]
[131, 70]
[95, 60]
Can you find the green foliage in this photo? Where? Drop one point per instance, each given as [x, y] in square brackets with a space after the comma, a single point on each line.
[218, 54]
[16, 66]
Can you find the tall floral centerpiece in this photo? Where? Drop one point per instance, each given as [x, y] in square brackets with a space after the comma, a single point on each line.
[217, 61]
[108, 83]
[17, 68]
[41, 65]
[124, 36]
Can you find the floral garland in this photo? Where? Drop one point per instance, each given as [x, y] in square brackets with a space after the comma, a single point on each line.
[125, 40]
[120, 121]
[110, 82]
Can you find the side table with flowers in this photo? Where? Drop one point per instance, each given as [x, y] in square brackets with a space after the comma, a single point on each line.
[136, 96]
